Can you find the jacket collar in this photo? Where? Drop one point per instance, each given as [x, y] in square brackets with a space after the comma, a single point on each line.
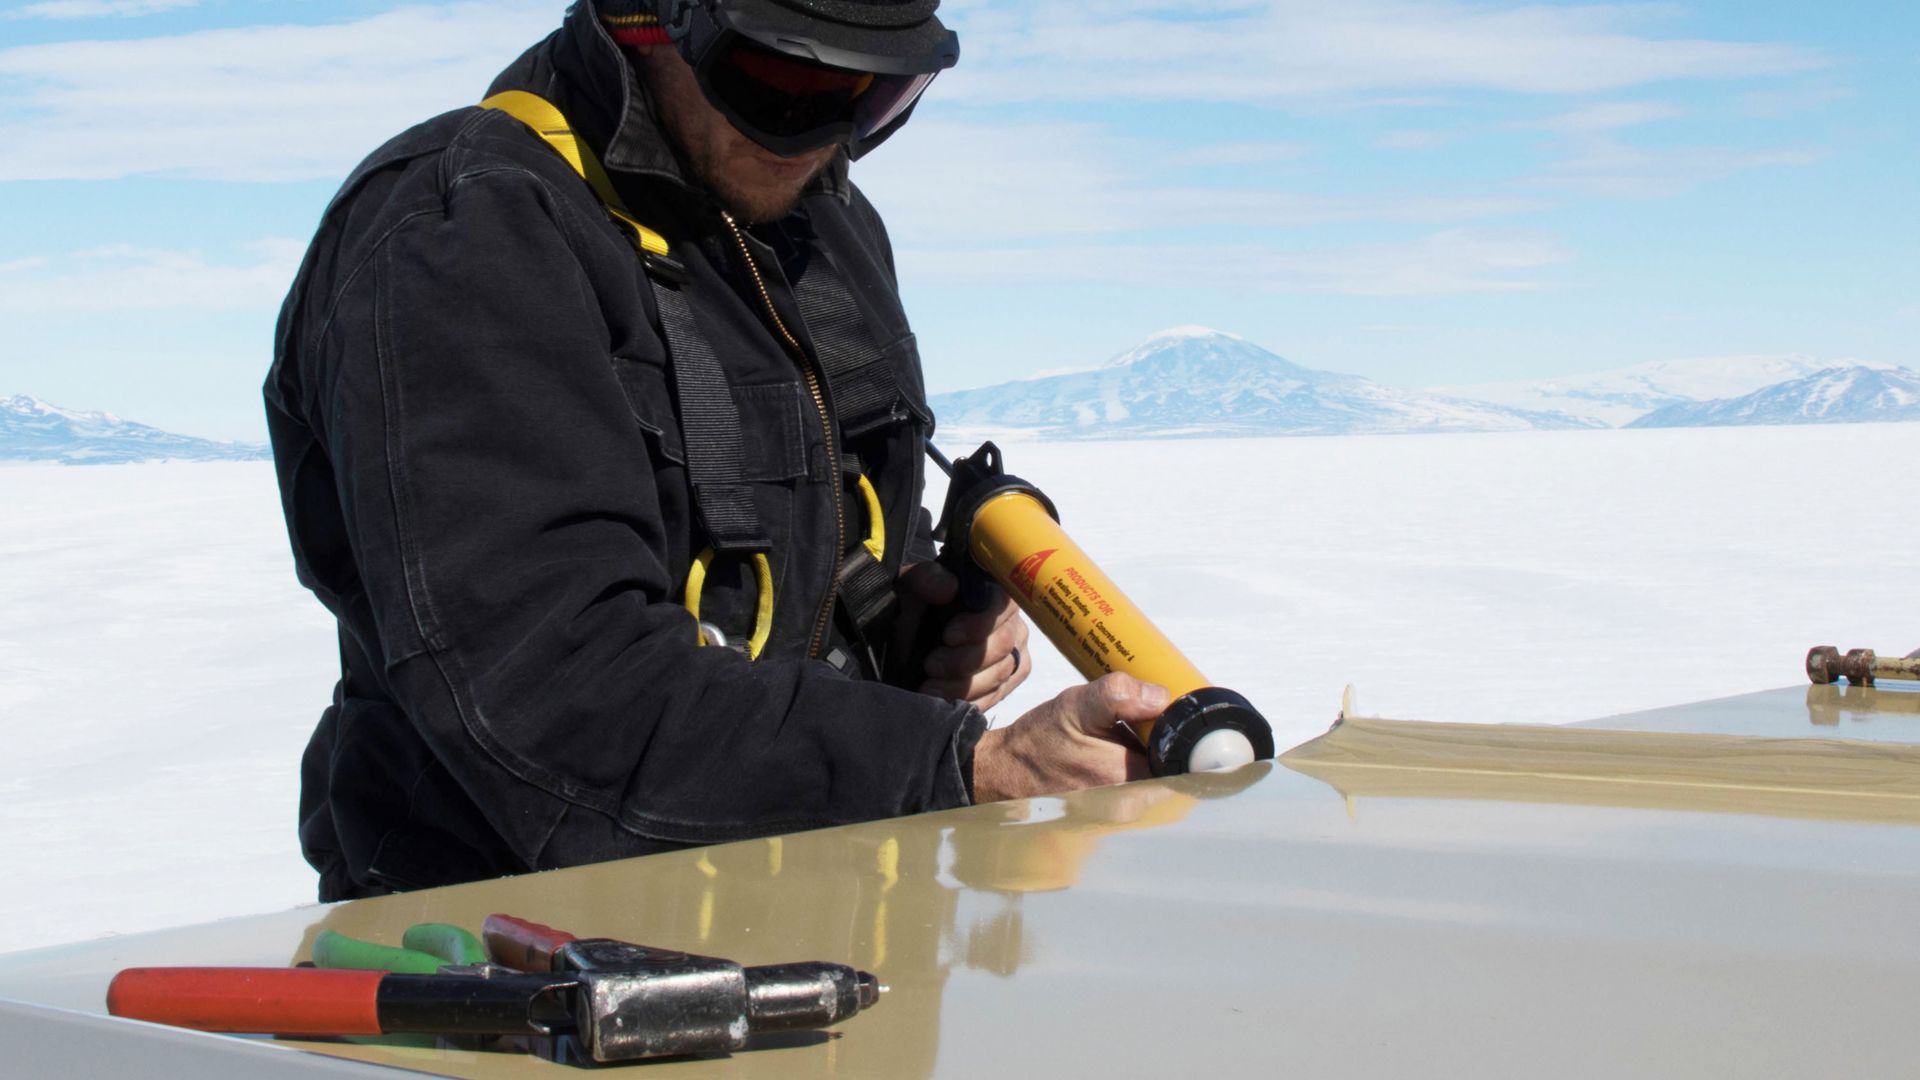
[581, 69]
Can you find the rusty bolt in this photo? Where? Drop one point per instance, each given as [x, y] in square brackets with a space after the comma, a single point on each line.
[1859, 666]
[1823, 665]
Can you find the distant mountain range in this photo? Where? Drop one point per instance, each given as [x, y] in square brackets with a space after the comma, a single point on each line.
[1839, 395]
[1617, 398]
[1192, 381]
[1195, 381]
[32, 430]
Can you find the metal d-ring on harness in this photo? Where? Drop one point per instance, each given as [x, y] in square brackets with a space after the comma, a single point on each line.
[857, 371]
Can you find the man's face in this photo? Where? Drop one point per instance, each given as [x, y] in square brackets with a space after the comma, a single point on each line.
[753, 182]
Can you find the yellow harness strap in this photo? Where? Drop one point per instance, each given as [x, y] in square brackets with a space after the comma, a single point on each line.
[547, 122]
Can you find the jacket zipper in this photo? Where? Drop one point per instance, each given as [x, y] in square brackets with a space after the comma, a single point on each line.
[818, 640]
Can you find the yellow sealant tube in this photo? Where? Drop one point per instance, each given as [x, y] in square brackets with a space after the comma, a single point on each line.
[1002, 528]
[1072, 601]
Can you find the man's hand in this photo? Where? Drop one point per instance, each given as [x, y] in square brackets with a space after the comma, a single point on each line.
[1068, 743]
[982, 656]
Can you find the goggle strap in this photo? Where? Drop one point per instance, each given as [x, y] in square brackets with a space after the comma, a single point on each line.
[636, 29]
[640, 35]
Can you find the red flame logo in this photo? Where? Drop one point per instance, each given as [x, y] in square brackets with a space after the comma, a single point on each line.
[1026, 576]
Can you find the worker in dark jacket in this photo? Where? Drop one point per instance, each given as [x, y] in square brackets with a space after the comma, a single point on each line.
[612, 476]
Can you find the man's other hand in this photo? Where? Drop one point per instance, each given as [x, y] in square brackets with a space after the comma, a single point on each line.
[1068, 743]
[982, 655]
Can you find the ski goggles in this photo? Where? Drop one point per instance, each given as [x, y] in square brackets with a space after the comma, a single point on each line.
[793, 83]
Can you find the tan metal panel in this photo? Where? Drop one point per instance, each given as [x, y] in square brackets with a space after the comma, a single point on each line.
[1246, 926]
[1804, 777]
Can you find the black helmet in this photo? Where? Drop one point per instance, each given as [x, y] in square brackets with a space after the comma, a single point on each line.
[794, 75]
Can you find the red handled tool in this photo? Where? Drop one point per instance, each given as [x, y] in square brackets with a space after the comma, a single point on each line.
[620, 1001]
[318, 1001]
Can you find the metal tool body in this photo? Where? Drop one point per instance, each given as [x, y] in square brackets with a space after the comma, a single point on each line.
[646, 1002]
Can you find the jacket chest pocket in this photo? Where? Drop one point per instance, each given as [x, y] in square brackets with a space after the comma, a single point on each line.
[775, 443]
[903, 359]
[884, 390]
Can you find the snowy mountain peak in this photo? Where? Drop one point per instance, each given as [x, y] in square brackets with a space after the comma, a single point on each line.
[1192, 380]
[33, 430]
[1182, 338]
[1188, 351]
[1625, 394]
[28, 405]
[1847, 394]
[1189, 332]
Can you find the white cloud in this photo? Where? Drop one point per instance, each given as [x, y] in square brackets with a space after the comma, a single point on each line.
[1611, 167]
[1808, 96]
[1242, 153]
[128, 278]
[1600, 161]
[1044, 50]
[259, 103]
[1053, 204]
[97, 9]
[943, 182]
[1414, 139]
[1444, 263]
[1611, 116]
[300, 102]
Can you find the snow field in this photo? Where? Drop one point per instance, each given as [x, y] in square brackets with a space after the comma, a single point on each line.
[1512, 577]
[160, 668]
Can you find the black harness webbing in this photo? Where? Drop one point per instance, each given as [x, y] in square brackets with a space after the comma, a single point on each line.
[858, 376]
[709, 421]
[709, 427]
[865, 396]
[865, 393]
[866, 587]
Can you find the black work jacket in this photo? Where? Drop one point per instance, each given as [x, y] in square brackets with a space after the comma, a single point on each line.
[486, 482]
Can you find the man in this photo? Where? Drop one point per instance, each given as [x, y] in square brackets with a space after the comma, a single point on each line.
[612, 513]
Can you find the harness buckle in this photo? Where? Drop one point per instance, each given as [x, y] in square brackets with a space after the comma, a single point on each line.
[665, 266]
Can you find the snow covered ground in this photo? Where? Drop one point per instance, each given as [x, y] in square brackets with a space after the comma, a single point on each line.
[160, 668]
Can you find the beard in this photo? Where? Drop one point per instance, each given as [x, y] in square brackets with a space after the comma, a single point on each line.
[752, 182]
[753, 196]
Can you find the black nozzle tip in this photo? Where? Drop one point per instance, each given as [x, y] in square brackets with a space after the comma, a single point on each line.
[1193, 716]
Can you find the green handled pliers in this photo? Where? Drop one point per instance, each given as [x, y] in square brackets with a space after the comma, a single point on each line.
[425, 949]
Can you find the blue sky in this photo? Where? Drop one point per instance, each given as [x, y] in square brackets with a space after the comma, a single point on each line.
[1425, 192]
